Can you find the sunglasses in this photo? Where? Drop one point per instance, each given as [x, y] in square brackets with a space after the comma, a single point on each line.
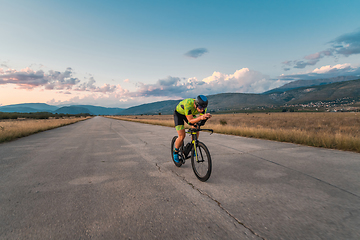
[200, 107]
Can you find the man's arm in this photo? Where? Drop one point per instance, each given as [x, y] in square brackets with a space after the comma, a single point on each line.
[193, 120]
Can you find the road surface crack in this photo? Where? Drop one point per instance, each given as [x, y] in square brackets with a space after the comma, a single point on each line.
[308, 175]
[251, 153]
[218, 203]
[158, 167]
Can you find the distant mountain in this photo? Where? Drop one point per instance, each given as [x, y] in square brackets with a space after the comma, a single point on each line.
[240, 101]
[163, 107]
[28, 107]
[96, 110]
[218, 102]
[73, 110]
[310, 83]
[297, 92]
[328, 92]
[227, 101]
[43, 107]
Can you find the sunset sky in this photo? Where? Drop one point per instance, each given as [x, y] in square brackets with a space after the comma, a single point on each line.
[128, 52]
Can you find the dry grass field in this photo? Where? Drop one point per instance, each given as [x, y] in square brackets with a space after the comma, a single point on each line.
[329, 130]
[12, 129]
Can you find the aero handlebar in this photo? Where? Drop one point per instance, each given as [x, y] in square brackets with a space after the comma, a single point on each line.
[198, 130]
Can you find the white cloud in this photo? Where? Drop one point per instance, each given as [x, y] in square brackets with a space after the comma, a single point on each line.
[75, 91]
[329, 68]
[53, 80]
[243, 80]
[323, 72]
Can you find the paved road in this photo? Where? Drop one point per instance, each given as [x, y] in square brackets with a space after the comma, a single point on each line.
[110, 179]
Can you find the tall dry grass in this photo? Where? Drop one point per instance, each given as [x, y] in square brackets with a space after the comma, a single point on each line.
[13, 129]
[329, 130]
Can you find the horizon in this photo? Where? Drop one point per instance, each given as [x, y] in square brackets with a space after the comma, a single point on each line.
[140, 104]
[123, 54]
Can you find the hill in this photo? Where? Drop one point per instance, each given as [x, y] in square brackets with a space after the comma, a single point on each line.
[28, 107]
[298, 92]
[73, 110]
[228, 101]
[241, 101]
[329, 92]
[218, 102]
[310, 83]
[96, 110]
[163, 107]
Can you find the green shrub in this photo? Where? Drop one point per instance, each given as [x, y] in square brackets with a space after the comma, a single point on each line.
[223, 122]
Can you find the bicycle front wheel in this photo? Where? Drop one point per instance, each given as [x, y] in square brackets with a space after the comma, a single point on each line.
[201, 162]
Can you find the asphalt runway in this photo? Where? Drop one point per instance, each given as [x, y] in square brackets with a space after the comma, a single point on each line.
[110, 179]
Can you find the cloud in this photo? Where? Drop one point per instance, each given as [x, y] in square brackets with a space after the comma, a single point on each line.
[287, 63]
[4, 64]
[170, 86]
[344, 45]
[91, 87]
[323, 72]
[318, 55]
[243, 80]
[302, 64]
[29, 79]
[347, 44]
[311, 60]
[53, 80]
[195, 53]
[96, 99]
[64, 92]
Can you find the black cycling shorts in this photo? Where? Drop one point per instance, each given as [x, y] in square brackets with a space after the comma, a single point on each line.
[179, 120]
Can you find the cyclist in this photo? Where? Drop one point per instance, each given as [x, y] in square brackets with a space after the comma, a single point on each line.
[186, 111]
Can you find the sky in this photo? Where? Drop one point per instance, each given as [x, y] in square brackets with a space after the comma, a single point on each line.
[125, 53]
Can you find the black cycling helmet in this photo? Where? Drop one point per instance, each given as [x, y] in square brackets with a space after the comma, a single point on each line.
[202, 101]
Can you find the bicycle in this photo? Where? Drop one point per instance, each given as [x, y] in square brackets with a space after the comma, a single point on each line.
[200, 155]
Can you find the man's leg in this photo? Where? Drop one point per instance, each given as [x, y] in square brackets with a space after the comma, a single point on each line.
[179, 141]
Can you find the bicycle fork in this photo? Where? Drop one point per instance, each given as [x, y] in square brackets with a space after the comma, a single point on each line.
[194, 142]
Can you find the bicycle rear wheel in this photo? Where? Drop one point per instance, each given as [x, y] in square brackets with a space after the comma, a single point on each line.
[202, 164]
[178, 164]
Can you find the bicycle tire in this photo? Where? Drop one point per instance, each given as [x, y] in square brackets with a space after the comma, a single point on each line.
[178, 164]
[202, 167]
